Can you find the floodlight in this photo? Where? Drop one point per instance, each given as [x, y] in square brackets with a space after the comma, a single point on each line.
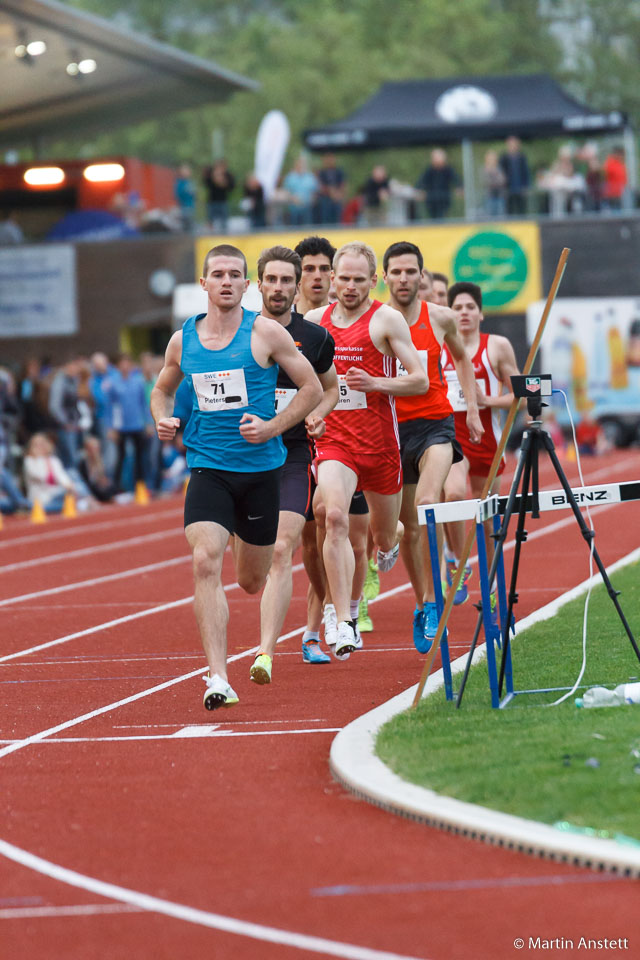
[103, 172]
[44, 176]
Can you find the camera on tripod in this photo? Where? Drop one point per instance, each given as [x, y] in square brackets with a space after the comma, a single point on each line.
[532, 389]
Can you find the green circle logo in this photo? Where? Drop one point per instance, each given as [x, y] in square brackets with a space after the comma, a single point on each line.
[496, 262]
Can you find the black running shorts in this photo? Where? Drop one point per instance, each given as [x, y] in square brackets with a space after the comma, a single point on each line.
[417, 435]
[247, 504]
[296, 490]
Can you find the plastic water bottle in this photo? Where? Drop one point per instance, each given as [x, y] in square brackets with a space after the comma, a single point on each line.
[603, 697]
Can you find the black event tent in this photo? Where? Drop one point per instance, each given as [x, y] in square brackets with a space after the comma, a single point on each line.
[418, 112]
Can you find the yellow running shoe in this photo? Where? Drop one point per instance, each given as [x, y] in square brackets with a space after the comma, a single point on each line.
[365, 623]
[371, 587]
[261, 670]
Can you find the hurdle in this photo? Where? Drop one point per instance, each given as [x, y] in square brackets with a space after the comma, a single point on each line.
[479, 511]
[497, 631]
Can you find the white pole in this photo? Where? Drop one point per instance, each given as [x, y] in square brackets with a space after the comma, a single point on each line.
[468, 180]
[631, 161]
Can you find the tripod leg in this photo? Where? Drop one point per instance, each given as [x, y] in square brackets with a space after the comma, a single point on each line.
[531, 466]
[508, 511]
[588, 536]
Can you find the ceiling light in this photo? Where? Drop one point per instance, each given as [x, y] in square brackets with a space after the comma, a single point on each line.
[44, 176]
[73, 69]
[87, 66]
[25, 51]
[36, 48]
[104, 172]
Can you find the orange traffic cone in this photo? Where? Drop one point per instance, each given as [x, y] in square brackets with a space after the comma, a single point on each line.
[185, 485]
[142, 494]
[37, 513]
[69, 506]
[571, 453]
[1, 522]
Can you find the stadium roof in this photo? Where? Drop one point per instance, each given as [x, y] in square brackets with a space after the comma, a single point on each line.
[419, 112]
[135, 78]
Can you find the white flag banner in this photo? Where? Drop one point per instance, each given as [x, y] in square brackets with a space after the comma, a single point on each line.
[271, 146]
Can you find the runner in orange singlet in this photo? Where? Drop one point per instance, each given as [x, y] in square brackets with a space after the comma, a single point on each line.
[360, 447]
[427, 436]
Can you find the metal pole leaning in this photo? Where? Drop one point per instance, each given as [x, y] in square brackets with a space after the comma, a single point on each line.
[513, 409]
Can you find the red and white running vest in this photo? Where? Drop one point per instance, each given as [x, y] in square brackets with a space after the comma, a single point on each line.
[489, 416]
[364, 422]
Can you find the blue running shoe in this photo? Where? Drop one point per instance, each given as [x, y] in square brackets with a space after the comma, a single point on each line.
[418, 630]
[462, 593]
[311, 652]
[431, 620]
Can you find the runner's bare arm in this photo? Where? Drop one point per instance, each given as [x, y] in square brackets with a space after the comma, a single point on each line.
[390, 334]
[315, 316]
[503, 360]
[314, 422]
[164, 391]
[466, 378]
[275, 345]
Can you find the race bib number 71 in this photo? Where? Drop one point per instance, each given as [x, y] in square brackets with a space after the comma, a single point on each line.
[220, 390]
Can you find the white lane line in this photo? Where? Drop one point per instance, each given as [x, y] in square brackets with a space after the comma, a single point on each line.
[90, 551]
[80, 584]
[131, 616]
[194, 733]
[179, 911]
[74, 910]
[63, 531]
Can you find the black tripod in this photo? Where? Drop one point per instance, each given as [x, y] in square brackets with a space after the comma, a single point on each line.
[533, 441]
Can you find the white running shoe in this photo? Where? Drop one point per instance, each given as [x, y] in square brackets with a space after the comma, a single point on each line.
[218, 693]
[330, 624]
[346, 641]
[386, 560]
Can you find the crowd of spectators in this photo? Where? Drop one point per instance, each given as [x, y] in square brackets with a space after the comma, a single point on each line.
[578, 181]
[83, 427]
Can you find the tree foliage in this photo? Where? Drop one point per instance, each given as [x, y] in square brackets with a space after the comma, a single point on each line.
[320, 59]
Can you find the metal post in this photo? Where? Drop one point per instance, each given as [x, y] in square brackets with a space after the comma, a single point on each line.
[469, 180]
[631, 161]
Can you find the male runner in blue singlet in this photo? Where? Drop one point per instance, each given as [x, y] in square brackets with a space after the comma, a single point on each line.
[230, 357]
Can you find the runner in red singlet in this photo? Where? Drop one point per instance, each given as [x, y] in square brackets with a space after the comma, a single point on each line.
[427, 436]
[360, 447]
[494, 362]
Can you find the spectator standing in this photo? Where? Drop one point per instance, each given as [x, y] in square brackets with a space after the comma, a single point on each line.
[253, 203]
[331, 190]
[438, 182]
[10, 229]
[63, 407]
[375, 195]
[615, 178]
[125, 390]
[515, 167]
[494, 183]
[184, 191]
[301, 186]
[219, 182]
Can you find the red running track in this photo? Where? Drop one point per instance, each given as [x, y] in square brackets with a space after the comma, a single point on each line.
[111, 768]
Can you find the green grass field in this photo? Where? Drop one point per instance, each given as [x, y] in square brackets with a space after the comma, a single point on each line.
[545, 763]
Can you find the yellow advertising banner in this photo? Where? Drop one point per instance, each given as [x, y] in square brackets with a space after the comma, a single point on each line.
[502, 257]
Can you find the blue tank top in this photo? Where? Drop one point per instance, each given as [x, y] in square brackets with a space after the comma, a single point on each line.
[225, 384]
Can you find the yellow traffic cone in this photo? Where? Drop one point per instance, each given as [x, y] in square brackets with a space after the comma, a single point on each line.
[571, 453]
[37, 513]
[1, 521]
[185, 485]
[142, 494]
[69, 506]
